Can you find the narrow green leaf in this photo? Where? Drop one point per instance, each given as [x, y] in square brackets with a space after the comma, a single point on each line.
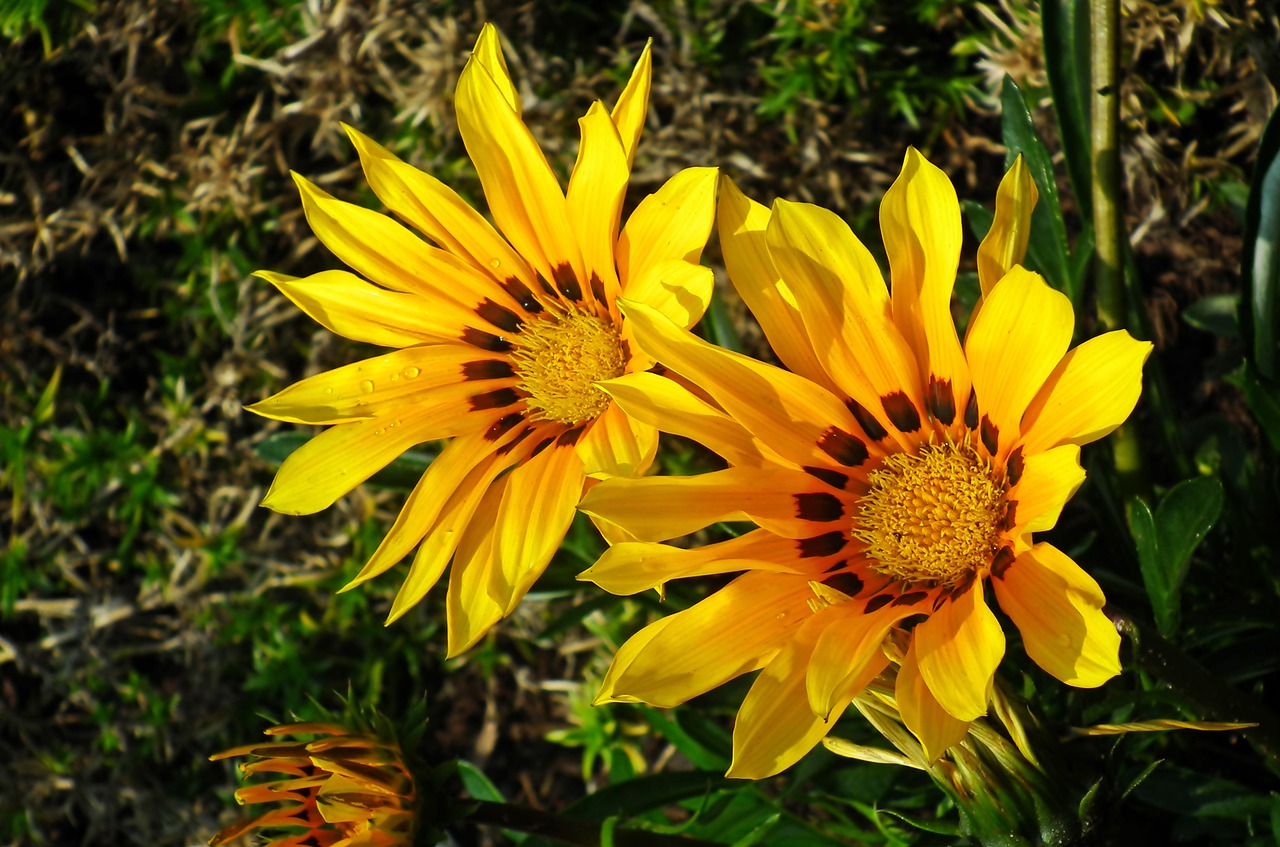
[1215, 313]
[44, 406]
[477, 784]
[1263, 400]
[1065, 28]
[1142, 526]
[1262, 253]
[645, 793]
[1185, 515]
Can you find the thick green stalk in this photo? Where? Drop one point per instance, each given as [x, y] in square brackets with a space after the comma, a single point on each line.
[1108, 217]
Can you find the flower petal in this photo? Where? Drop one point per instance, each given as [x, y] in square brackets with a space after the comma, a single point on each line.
[471, 606]
[676, 288]
[536, 511]
[958, 649]
[488, 53]
[1013, 345]
[1058, 609]
[633, 104]
[847, 655]
[734, 631]
[617, 445]
[1090, 393]
[1006, 242]
[594, 200]
[921, 713]
[920, 221]
[742, 224]
[672, 223]
[1048, 481]
[630, 567]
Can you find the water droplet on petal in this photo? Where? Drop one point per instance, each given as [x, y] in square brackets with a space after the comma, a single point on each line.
[328, 391]
[367, 386]
[411, 372]
[495, 263]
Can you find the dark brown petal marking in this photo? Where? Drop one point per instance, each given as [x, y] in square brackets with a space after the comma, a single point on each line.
[827, 544]
[487, 369]
[548, 287]
[878, 602]
[844, 447]
[1010, 517]
[910, 598]
[521, 294]
[971, 410]
[941, 400]
[846, 583]
[503, 426]
[570, 437]
[965, 584]
[1001, 561]
[901, 411]
[499, 316]
[597, 289]
[1015, 466]
[485, 340]
[818, 506]
[567, 281]
[495, 399]
[520, 436]
[833, 478]
[990, 434]
[542, 445]
[866, 420]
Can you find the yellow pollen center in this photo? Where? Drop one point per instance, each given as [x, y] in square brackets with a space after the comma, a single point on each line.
[933, 517]
[558, 358]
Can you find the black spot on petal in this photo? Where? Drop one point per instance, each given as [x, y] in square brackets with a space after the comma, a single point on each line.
[548, 287]
[567, 281]
[844, 447]
[1016, 465]
[1010, 516]
[597, 289]
[910, 598]
[503, 426]
[846, 583]
[990, 434]
[941, 400]
[499, 316]
[520, 436]
[485, 340]
[521, 294]
[542, 445]
[866, 420]
[1001, 562]
[901, 411]
[833, 478]
[971, 410]
[570, 437]
[494, 399]
[818, 506]
[487, 369]
[878, 602]
[827, 544]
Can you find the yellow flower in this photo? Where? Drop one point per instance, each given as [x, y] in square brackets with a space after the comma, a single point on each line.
[342, 790]
[501, 341]
[895, 473]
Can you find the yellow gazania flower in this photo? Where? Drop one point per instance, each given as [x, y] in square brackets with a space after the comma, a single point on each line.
[343, 789]
[895, 473]
[501, 341]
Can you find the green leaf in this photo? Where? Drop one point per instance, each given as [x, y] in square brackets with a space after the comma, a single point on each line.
[1263, 400]
[1166, 540]
[1262, 253]
[1065, 28]
[1216, 314]
[645, 793]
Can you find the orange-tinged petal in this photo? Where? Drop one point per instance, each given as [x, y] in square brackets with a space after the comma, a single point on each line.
[344, 303]
[594, 200]
[920, 221]
[616, 445]
[524, 195]
[742, 224]
[673, 408]
[383, 385]
[676, 288]
[1048, 481]
[785, 411]
[383, 251]
[958, 648]
[1058, 609]
[630, 567]
[437, 211]
[535, 514]
[471, 604]
[1013, 345]
[1090, 393]
[672, 223]
[734, 631]
[846, 652]
[1006, 242]
[845, 306]
[633, 104]
[662, 507]
[928, 721]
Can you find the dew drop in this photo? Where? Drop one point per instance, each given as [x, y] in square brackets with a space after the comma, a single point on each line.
[412, 371]
[367, 386]
[328, 391]
[495, 263]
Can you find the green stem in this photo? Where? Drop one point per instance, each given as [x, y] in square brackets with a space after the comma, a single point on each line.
[568, 831]
[1108, 220]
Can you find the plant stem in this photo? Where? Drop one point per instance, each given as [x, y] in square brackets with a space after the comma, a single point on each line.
[1108, 220]
[578, 833]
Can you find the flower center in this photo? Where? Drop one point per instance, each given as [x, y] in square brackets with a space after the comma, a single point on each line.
[560, 356]
[933, 517]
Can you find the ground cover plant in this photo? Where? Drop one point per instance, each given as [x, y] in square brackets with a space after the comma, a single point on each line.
[153, 615]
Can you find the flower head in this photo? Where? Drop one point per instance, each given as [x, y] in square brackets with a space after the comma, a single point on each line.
[896, 474]
[500, 340]
[343, 789]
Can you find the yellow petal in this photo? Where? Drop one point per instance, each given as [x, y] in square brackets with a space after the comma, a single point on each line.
[1090, 393]
[524, 195]
[616, 445]
[630, 567]
[488, 53]
[347, 305]
[383, 385]
[596, 189]
[1058, 609]
[845, 305]
[742, 224]
[672, 223]
[1049, 480]
[785, 411]
[734, 631]
[437, 211]
[471, 605]
[847, 656]
[536, 511]
[920, 221]
[921, 713]
[1013, 345]
[1006, 242]
[633, 104]
[676, 288]
[958, 649]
